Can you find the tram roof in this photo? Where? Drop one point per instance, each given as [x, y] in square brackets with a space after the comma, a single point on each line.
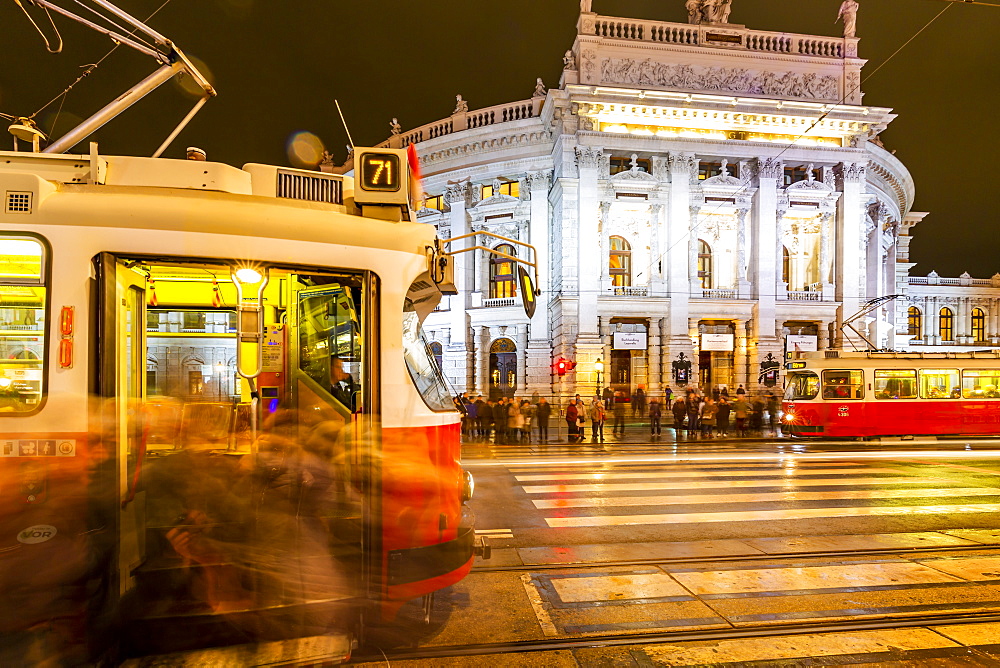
[227, 199]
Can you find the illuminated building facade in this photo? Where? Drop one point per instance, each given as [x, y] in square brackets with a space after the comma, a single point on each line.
[702, 198]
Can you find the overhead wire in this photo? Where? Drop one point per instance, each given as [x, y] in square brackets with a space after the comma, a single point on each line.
[91, 66]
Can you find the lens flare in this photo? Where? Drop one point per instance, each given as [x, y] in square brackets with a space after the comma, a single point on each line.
[305, 150]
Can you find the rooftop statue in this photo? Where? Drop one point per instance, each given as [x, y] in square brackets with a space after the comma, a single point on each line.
[708, 11]
[461, 106]
[849, 12]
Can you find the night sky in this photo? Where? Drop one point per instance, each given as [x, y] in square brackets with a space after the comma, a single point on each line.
[279, 64]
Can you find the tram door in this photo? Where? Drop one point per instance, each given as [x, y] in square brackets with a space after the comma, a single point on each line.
[122, 378]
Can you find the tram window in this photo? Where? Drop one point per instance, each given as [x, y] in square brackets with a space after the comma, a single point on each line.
[895, 384]
[23, 308]
[939, 384]
[330, 335]
[843, 384]
[802, 386]
[981, 383]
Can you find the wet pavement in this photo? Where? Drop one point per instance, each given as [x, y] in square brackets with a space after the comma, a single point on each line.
[725, 552]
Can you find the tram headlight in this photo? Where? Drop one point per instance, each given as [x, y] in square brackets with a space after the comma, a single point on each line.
[468, 486]
[5, 383]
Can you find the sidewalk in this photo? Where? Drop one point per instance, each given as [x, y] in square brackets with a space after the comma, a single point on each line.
[636, 432]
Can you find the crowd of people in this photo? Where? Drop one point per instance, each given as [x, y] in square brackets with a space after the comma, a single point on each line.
[510, 420]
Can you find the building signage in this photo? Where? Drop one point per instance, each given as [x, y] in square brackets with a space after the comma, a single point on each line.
[717, 342]
[803, 343]
[630, 341]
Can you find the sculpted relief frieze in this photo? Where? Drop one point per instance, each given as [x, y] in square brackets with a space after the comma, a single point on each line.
[648, 72]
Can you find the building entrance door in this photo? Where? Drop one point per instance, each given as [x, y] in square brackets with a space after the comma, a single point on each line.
[503, 369]
[621, 371]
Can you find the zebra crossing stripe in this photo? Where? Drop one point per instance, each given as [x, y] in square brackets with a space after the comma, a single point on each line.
[768, 515]
[767, 497]
[788, 483]
[675, 473]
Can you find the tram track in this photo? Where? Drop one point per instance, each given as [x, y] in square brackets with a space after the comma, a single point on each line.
[739, 558]
[660, 637]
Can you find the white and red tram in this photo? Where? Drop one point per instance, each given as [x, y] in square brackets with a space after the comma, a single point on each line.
[164, 315]
[837, 394]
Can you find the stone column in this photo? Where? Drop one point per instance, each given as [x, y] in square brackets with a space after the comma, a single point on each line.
[588, 340]
[483, 362]
[455, 356]
[823, 340]
[653, 356]
[765, 266]
[656, 216]
[742, 268]
[848, 277]
[539, 348]
[521, 339]
[678, 242]
[741, 359]
[587, 161]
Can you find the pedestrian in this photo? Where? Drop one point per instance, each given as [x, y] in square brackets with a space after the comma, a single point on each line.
[581, 419]
[741, 408]
[608, 397]
[655, 413]
[481, 417]
[472, 417]
[597, 418]
[534, 398]
[515, 421]
[772, 412]
[542, 413]
[487, 418]
[528, 412]
[693, 410]
[757, 414]
[680, 412]
[571, 417]
[722, 416]
[461, 407]
[639, 402]
[500, 420]
[667, 393]
[618, 428]
[709, 409]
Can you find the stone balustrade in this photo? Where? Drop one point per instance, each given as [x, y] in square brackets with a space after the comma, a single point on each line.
[467, 120]
[720, 293]
[804, 296]
[629, 291]
[724, 35]
[503, 301]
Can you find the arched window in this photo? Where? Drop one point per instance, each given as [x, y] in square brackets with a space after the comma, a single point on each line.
[502, 278]
[438, 352]
[705, 265]
[914, 324]
[786, 265]
[946, 328]
[620, 262]
[978, 324]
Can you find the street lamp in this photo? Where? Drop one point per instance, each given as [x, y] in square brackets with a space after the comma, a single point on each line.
[599, 368]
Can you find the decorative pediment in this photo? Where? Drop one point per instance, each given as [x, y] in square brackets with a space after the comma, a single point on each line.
[632, 177]
[497, 199]
[722, 180]
[810, 184]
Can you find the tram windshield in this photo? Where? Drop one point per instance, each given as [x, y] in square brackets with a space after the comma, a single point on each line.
[802, 385]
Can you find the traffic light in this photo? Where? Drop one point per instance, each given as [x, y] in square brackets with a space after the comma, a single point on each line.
[563, 365]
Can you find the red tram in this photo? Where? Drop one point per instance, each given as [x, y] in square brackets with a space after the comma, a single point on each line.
[219, 420]
[836, 394]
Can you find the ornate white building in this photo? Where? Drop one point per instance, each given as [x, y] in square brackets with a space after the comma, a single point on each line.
[710, 194]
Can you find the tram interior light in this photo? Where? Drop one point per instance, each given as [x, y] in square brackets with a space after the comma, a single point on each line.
[248, 276]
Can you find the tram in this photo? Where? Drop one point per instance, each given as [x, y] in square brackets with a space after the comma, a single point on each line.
[219, 420]
[838, 394]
